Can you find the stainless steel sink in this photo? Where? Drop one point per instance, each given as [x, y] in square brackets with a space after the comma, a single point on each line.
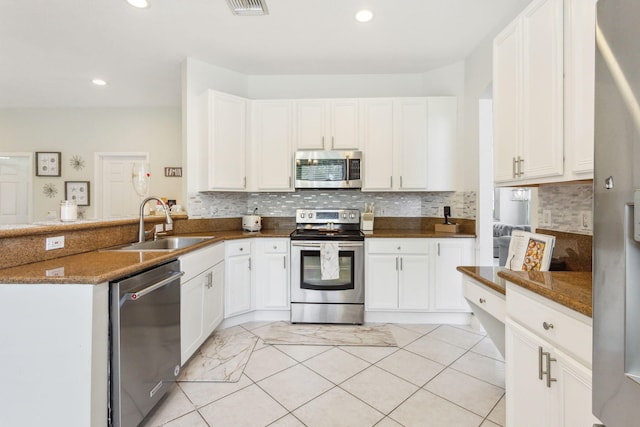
[163, 244]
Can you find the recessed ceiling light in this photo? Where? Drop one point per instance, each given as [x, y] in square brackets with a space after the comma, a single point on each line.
[364, 15]
[140, 4]
[99, 82]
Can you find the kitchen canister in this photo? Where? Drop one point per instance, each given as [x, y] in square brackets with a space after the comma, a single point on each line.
[68, 211]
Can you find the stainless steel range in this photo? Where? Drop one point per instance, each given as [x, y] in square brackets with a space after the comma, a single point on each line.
[327, 267]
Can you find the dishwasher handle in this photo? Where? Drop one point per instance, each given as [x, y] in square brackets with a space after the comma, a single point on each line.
[134, 296]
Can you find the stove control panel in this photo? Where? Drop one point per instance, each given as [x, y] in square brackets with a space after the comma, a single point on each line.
[326, 216]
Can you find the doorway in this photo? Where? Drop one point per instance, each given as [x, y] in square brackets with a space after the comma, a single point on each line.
[16, 196]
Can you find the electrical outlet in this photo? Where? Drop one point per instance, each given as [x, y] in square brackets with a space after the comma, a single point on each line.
[546, 217]
[54, 243]
[586, 219]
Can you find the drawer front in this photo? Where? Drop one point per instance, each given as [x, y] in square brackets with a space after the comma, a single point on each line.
[242, 247]
[194, 263]
[398, 246]
[486, 299]
[278, 246]
[567, 333]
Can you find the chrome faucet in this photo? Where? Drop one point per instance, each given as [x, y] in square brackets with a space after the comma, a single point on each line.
[169, 220]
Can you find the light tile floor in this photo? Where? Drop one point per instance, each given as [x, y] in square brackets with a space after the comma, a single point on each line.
[439, 375]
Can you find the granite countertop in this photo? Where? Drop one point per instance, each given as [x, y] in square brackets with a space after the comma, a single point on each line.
[102, 266]
[399, 233]
[571, 289]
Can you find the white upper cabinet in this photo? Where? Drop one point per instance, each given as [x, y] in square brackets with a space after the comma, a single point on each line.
[224, 128]
[543, 91]
[326, 124]
[272, 145]
[409, 144]
[580, 18]
[442, 139]
[528, 95]
[376, 130]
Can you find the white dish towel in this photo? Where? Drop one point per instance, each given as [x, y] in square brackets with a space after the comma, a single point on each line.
[329, 261]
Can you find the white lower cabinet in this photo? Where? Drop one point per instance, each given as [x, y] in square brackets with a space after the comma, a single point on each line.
[416, 274]
[237, 292]
[397, 274]
[201, 297]
[448, 292]
[272, 274]
[548, 363]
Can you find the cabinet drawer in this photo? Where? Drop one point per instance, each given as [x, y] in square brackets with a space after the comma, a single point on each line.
[275, 246]
[194, 263]
[487, 299]
[238, 248]
[398, 246]
[569, 331]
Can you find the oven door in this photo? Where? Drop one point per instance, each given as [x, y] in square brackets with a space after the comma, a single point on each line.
[307, 285]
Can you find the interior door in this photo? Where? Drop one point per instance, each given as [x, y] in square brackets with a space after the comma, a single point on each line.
[116, 197]
[15, 188]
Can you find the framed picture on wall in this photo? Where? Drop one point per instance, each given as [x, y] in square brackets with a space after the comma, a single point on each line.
[77, 191]
[48, 163]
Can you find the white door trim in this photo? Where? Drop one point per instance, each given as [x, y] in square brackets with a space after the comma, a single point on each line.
[29, 174]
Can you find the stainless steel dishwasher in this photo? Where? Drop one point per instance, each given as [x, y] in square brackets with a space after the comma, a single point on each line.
[145, 341]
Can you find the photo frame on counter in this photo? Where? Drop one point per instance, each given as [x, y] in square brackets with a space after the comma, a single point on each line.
[48, 163]
[77, 191]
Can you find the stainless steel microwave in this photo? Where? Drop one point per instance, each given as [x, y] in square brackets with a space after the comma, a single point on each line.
[328, 169]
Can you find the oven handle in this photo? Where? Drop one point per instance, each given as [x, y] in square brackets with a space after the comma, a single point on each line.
[340, 244]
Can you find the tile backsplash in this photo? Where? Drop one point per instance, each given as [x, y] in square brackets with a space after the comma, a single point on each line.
[566, 203]
[396, 204]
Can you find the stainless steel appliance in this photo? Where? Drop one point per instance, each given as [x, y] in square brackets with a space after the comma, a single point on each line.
[145, 341]
[336, 300]
[616, 233]
[328, 169]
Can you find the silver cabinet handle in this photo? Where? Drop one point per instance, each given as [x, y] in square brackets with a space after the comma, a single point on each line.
[134, 296]
[323, 142]
[241, 249]
[549, 360]
[332, 138]
[438, 249]
[209, 279]
[400, 263]
[540, 371]
[396, 263]
[399, 247]
[482, 300]
[513, 167]
[391, 181]
[284, 262]
[547, 326]
[245, 182]
[249, 263]
[520, 167]
[289, 180]
[400, 181]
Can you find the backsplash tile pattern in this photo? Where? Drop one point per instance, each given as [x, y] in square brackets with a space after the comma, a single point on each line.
[566, 203]
[410, 204]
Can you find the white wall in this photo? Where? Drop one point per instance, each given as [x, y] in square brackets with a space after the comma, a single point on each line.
[83, 131]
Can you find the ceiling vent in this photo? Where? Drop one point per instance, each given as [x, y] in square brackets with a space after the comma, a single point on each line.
[248, 7]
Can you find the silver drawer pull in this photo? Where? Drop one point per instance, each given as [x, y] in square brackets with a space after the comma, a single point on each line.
[482, 300]
[547, 326]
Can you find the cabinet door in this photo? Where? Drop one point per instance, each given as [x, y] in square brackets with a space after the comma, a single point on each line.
[506, 102]
[227, 125]
[344, 125]
[527, 396]
[572, 401]
[376, 129]
[238, 285]
[410, 143]
[542, 84]
[413, 283]
[311, 123]
[190, 316]
[579, 84]
[272, 143]
[382, 282]
[448, 282]
[442, 143]
[273, 281]
[213, 299]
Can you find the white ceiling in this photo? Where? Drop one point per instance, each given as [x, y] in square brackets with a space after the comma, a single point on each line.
[51, 49]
